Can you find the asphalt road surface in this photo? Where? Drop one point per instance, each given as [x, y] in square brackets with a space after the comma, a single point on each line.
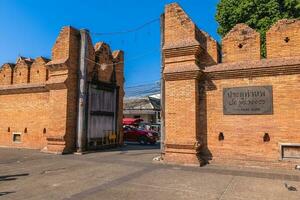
[130, 173]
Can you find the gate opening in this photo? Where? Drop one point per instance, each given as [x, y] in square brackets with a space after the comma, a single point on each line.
[102, 115]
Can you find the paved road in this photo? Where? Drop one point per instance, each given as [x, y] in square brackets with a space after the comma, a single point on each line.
[130, 173]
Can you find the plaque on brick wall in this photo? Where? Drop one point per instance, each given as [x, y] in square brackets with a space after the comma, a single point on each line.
[252, 100]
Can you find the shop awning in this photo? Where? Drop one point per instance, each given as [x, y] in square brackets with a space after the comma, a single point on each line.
[131, 121]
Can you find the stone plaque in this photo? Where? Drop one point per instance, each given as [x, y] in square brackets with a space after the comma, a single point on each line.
[252, 100]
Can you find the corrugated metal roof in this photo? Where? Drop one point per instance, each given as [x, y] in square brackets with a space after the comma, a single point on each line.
[141, 103]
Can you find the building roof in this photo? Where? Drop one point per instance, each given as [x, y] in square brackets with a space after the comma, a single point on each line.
[142, 103]
[25, 59]
[44, 58]
[155, 103]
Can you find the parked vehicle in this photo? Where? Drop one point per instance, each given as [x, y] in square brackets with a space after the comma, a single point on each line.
[149, 126]
[133, 134]
[132, 121]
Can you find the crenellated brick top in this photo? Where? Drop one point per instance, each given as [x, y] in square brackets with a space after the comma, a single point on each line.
[242, 43]
[283, 39]
[26, 70]
[187, 48]
[64, 63]
[105, 61]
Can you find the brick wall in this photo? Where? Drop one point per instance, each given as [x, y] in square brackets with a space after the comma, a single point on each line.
[105, 61]
[21, 72]
[24, 111]
[6, 73]
[62, 44]
[194, 86]
[181, 124]
[243, 134]
[184, 48]
[242, 43]
[210, 54]
[118, 58]
[38, 71]
[38, 97]
[283, 39]
[179, 29]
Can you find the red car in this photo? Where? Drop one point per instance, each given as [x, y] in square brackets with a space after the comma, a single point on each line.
[132, 134]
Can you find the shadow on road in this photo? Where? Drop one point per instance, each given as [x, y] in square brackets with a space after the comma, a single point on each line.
[12, 177]
[130, 146]
[136, 146]
[5, 193]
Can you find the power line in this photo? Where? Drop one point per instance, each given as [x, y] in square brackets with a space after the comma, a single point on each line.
[155, 82]
[142, 91]
[127, 31]
[146, 53]
[122, 62]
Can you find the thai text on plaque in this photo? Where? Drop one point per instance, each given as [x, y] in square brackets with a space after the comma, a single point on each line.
[251, 100]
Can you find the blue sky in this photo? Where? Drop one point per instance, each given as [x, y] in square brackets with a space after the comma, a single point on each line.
[30, 27]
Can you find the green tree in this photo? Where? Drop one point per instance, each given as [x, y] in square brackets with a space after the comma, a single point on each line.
[258, 14]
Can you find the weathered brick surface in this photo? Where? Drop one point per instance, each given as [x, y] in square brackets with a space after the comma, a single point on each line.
[179, 29]
[21, 72]
[62, 44]
[63, 89]
[242, 43]
[38, 71]
[180, 111]
[6, 74]
[181, 32]
[181, 124]
[118, 58]
[194, 114]
[21, 111]
[243, 134]
[104, 60]
[38, 98]
[210, 54]
[283, 39]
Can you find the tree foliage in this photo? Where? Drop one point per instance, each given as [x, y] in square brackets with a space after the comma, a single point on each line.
[258, 14]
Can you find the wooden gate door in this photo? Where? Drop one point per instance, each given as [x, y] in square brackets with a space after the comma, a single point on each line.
[102, 116]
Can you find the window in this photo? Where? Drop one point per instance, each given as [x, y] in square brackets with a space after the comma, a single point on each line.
[17, 137]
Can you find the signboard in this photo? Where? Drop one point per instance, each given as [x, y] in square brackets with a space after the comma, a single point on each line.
[252, 100]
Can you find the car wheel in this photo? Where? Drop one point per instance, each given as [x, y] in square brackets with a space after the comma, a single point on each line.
[142, 140]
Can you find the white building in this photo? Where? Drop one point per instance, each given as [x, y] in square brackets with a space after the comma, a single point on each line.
[146, 108]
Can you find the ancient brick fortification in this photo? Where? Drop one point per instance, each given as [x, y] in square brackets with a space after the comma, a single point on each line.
[38, 97]
[197, 74]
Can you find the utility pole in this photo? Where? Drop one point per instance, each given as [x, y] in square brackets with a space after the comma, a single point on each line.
[162, 85]
[82, 92]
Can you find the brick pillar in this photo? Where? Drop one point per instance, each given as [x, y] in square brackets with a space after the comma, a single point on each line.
[62, 84]
[181, 55]
[118, 58]
[181, 118]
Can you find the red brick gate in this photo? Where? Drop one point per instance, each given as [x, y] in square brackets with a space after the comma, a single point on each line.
[202, 124]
